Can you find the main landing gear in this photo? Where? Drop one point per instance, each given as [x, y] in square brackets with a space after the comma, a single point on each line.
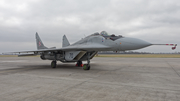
[79, 64]
[54, 62]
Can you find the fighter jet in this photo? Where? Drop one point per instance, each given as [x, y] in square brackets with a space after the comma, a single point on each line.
[86, 48]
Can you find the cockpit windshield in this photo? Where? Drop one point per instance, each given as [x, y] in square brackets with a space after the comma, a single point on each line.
[103, 33]
[112, 37]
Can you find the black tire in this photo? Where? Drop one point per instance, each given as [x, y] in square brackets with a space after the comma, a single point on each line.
[86, 67]
[53, 64]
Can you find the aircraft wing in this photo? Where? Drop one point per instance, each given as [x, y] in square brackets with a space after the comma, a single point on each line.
[78, 47]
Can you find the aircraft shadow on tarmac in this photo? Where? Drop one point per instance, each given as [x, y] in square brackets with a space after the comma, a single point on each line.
[59, 66]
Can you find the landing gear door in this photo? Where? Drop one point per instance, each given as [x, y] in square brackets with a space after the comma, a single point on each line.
[70, 55]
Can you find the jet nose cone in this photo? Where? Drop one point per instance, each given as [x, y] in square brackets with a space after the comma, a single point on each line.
[141, 43]
[133, 43]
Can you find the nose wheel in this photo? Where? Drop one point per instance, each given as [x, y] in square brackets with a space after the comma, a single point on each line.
[53, 64]
[87, 66]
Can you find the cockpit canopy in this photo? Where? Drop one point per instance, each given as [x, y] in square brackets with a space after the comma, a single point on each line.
[107, 36]
[104, 33]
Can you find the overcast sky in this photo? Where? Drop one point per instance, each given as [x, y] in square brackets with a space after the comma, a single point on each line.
[155, 21]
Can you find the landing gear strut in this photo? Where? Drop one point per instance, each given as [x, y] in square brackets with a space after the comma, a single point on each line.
[54, 63]
[87, 66]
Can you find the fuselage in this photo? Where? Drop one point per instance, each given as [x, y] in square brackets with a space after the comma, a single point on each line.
[90, 45]
[120, 44]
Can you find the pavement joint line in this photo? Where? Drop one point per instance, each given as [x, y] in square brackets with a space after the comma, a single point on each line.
[16, 70]
[130, 65]
[68, 89]
[173, 68]
[12, 70]
[82, 82]
[86, 81]
[50, 77]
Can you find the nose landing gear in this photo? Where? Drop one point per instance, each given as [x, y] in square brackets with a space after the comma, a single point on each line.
[87, 66]
[53, 64]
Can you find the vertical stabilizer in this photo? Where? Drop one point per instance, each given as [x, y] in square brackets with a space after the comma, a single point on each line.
[39, 43]
[65, 41]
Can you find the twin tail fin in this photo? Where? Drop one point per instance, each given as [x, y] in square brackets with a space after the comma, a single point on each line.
[39, 43]
[65, 42]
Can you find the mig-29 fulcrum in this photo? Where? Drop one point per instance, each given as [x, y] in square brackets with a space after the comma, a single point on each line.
[86, 48]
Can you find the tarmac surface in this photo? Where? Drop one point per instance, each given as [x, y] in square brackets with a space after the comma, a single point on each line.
[110, 79]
